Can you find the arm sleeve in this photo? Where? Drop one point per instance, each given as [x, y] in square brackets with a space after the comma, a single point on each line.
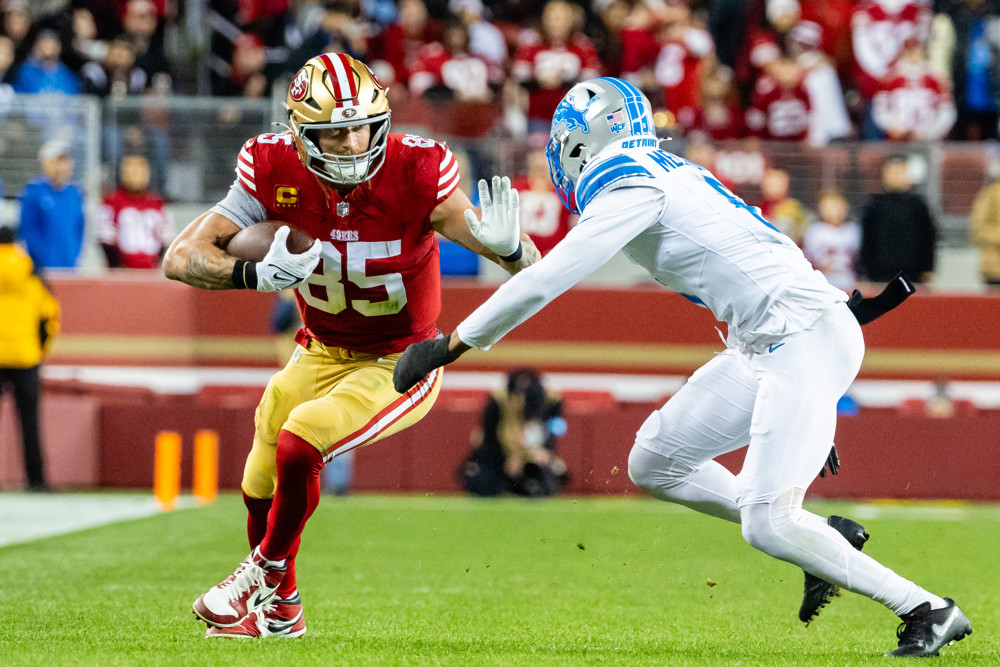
[240, 207]
[611, 220]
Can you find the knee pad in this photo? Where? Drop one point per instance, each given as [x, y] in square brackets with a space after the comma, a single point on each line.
[649, 470]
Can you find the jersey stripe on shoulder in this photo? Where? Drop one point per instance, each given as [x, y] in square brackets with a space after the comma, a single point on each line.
[244, 169]
[449, 178]
[598, 177]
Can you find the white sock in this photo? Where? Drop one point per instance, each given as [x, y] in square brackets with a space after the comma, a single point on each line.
[784, 530]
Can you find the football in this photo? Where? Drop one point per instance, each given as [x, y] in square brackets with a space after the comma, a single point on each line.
[253, 242]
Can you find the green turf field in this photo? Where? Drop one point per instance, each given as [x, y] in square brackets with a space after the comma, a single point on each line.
[454, 581]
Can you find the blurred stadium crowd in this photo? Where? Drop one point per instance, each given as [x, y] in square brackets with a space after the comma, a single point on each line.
[787, 70]
[751, 89]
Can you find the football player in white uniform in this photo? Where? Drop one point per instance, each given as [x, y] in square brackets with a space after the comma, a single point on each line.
[793, 349]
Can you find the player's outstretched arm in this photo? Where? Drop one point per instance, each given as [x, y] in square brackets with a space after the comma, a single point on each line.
[196, 257]
[503, 235]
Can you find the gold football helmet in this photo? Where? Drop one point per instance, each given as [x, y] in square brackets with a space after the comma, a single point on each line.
[335, 90]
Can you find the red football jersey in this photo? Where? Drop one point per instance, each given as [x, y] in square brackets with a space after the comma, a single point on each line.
[914, 100]
[378, 286]
[137, 224]
[778, 112]
[468, 76]
[553, 71]
[721, 122]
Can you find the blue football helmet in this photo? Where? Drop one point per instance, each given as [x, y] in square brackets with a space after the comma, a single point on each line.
[593, 114]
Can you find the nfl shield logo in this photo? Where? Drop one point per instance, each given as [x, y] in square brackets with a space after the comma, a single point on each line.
[616, 121]
[343, 209]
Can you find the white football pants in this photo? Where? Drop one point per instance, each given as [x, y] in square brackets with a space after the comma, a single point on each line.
[783, 402]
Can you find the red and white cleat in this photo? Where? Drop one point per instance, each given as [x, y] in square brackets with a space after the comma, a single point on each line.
[278, 618]
[245, 591]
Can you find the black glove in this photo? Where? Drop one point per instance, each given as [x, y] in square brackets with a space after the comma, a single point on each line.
[832, 462]
[420, 359]
[896, 292]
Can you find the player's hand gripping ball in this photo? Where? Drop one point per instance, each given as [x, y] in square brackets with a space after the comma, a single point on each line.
[284, 256]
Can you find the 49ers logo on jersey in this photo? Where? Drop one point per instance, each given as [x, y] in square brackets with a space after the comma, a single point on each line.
[286, 196]
[299, 86]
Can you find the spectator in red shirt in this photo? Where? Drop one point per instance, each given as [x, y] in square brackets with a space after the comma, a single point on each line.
[395, 49]
[780, 109]
[449, 71]
[767, 38]
[666, 57]
[913, 103]
[685, 50]
[543, 216]
[720, 116]
[134, 227]
[550, 61]
[636, 32]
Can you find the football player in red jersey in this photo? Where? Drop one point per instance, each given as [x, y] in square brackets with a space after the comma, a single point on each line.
[368, 287]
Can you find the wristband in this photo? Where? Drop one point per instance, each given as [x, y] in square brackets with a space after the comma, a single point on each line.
[514, 256]
[245, 274]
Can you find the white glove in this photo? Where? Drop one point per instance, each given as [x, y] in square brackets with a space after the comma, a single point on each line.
[500, 228]
[280, 268]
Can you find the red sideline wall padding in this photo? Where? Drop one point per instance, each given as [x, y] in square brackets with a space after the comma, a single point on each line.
[885, 453]
[142, 319]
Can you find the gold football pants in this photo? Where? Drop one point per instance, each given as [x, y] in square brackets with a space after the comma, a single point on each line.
[337, 401]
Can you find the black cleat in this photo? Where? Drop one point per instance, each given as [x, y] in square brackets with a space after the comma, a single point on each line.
[924, 631]
[819, 592]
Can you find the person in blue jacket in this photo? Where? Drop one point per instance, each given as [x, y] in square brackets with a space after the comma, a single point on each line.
[52, 217]
[44, 71]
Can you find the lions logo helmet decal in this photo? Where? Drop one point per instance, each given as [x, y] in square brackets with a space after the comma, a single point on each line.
[568, 113]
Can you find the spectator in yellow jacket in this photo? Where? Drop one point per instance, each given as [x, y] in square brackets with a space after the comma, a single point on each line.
[28, 325]
[985, 228]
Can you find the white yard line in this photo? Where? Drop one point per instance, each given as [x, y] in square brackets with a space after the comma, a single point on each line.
[31, 516]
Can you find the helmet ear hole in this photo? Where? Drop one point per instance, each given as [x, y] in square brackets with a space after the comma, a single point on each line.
[575, 152]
